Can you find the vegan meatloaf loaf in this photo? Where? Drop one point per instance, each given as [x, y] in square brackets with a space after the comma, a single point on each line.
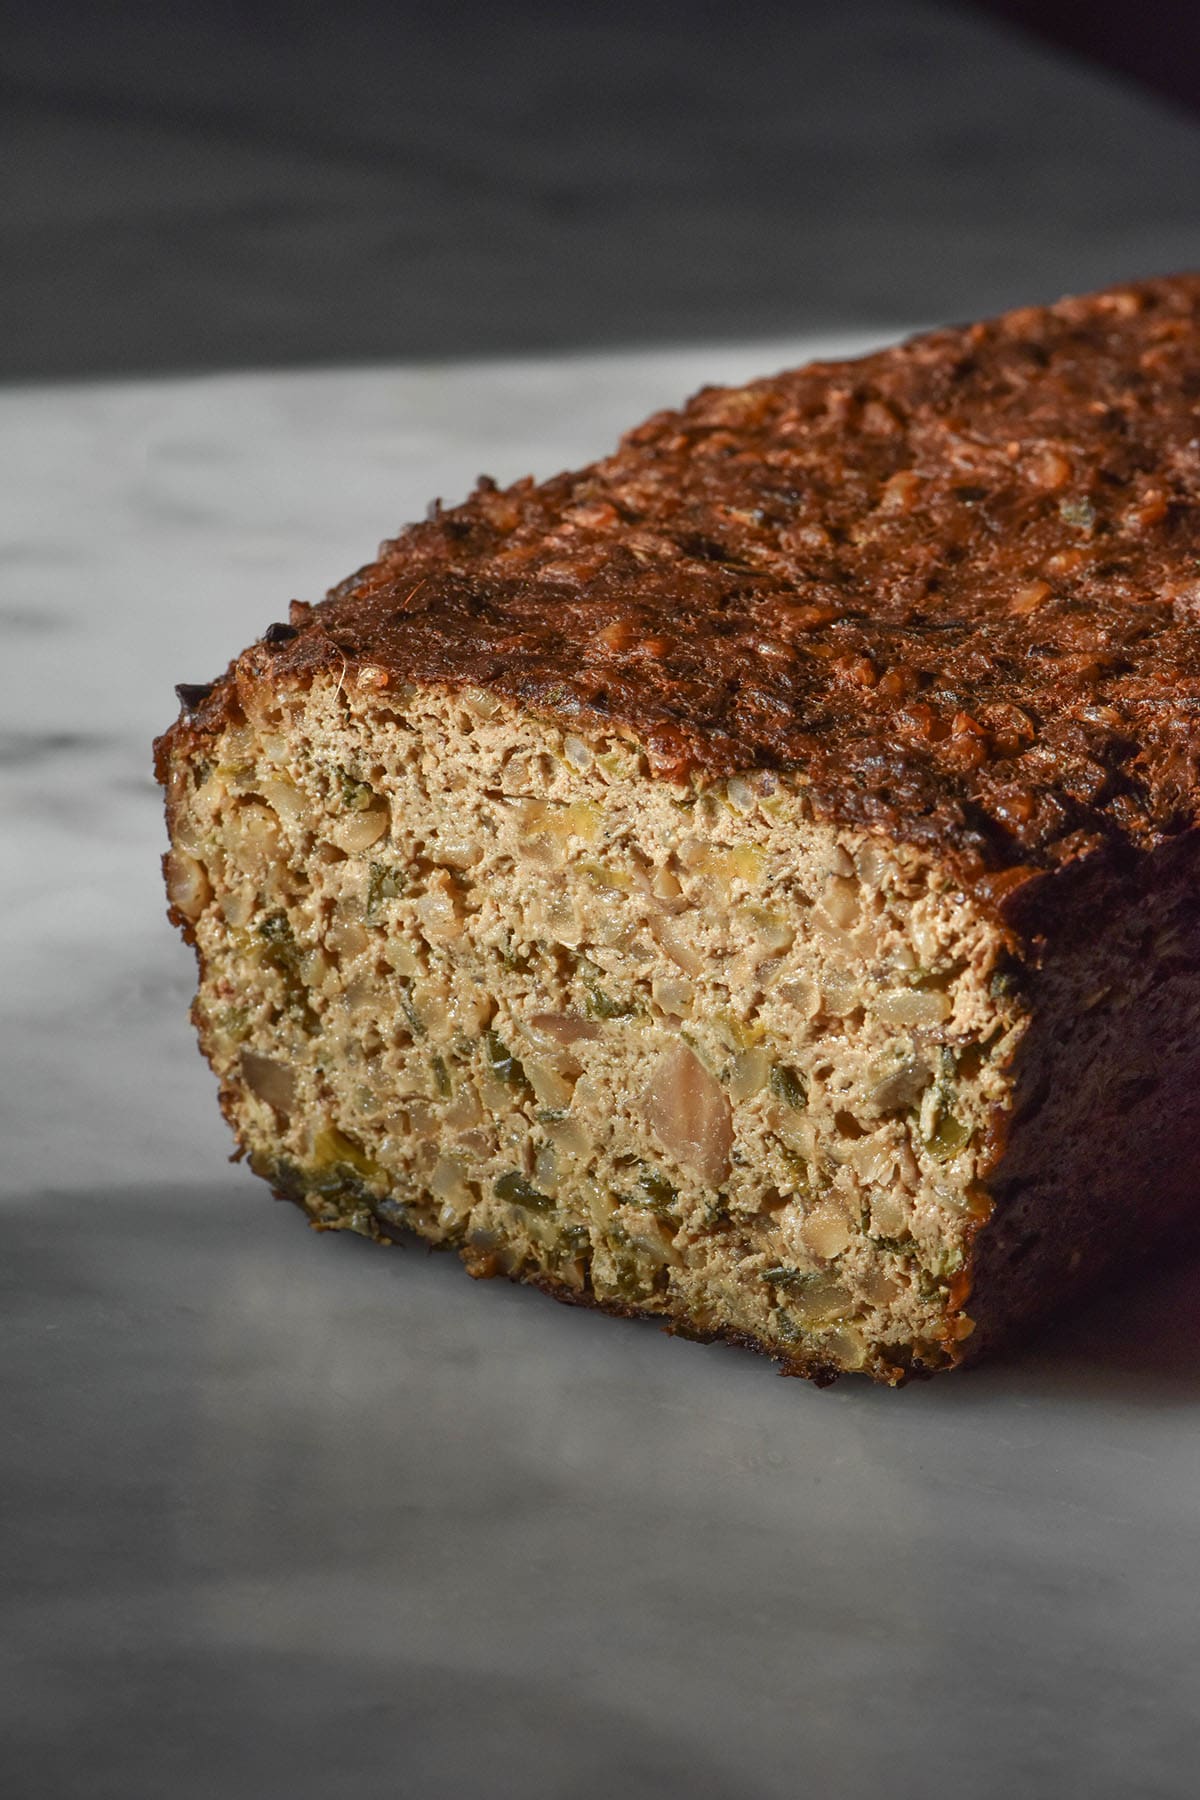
[750, 882]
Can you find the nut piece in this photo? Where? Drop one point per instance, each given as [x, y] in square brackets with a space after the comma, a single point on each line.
[188, 887]
[356, 831]
[689, 1113]
[270, 1080]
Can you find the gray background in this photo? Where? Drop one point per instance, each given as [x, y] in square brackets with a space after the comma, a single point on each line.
[211, 185]
[283, 1515]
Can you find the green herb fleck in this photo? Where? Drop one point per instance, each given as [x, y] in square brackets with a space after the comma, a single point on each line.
[1003, 985]
[234, 1021]
[521, 1192]
[787, 1085]
[948, 1135]
[783, 1275]
[631, 1278]
[283, 954]
[598, 1004]
[716, 1210]
[340, 1172]
[503, 1063]
[391, 1211]
[655, 1191]
[416, 1023]
[441, 1077]
[384, 882]
[895, 1246]
[276, 930]
[357, 796]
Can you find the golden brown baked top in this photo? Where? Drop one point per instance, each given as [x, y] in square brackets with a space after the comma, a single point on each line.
[956, 584]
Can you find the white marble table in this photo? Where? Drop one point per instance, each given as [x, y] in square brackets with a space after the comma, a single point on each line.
[289, 1515]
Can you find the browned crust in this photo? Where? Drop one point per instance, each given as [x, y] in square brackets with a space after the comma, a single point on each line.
[952, 584]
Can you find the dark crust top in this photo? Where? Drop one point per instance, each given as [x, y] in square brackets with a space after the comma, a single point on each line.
[955, 585]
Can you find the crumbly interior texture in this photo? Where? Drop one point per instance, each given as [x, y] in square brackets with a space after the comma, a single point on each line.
[676, 1050]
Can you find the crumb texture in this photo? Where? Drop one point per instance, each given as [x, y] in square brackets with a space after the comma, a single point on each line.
[685, 1052]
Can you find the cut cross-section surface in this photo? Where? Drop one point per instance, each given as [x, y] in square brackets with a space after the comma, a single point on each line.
[684, 1052]
[749, 882]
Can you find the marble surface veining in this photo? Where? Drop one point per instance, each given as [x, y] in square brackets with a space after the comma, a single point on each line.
[291, 1515]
